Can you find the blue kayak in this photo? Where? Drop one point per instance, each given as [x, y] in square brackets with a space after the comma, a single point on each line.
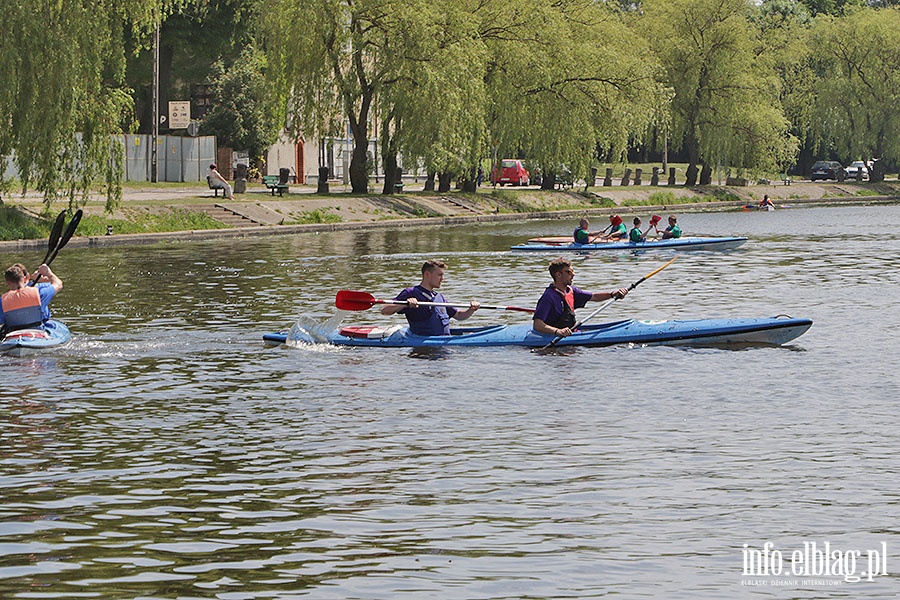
[557, 244]
[771, 331]
[25, 341]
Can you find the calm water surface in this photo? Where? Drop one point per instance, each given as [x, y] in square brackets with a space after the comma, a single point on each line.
[166, 453]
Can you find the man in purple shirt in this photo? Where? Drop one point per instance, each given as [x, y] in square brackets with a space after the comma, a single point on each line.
[555, 312]
[428, 320]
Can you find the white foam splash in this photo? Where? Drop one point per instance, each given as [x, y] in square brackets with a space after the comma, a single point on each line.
[310, 331]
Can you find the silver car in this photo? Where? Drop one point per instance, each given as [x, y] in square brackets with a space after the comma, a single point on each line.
[857, 170]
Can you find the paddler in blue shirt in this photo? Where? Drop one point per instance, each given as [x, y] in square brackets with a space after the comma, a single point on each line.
[582, 235]
[555, 311]
[25, 306]
[428, 320]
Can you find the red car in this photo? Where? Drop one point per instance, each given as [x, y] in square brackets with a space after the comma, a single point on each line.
[511, 171]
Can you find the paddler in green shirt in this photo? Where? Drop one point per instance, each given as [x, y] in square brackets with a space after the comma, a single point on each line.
[618, 229]
[635, 235]
[673, 230]
[582, 235]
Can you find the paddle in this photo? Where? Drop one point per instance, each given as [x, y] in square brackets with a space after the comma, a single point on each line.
[70, 231]
[353, 300]
[56, 242]
[608, 302]
[600, 235]
[654, 221]
[54, 234]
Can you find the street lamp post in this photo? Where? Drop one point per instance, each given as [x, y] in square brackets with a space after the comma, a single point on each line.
[154, 164]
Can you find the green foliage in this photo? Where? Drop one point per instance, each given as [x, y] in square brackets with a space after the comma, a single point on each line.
[722, 195]
[317, 215]
[62, 66]
[663, 198]
[244, 114]
[858, 88]
[726, 107]
[175, 220]
[15, 225]
[567, 80]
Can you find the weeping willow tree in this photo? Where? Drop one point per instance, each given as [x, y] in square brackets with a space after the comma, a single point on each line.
[456, 81]
[62, 65]
[346, 65]
[858, 88]
[567, 80]
[726, 108]
[433, 114]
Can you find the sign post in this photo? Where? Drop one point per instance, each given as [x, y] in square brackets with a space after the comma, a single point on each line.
[179, 114]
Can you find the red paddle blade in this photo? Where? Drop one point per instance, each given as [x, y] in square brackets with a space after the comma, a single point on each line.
[353, 300]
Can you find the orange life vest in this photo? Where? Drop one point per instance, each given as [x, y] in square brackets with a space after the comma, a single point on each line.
[22, 308]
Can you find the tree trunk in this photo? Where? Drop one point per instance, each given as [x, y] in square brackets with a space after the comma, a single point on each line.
[548, 180]
[359, 178]
[444, 180]
[470, 183]
[389, 165]
[706, 175]
[429, 182]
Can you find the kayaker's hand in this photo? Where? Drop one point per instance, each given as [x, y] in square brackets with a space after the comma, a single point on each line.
[619, 293]
[563, 332]
[412, 302]
[474, 305]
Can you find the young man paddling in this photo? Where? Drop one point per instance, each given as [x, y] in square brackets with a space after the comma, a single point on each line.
[555, 312]
[24, 306]
[429, 320]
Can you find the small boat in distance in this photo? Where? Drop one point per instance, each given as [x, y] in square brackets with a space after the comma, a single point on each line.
[555, 244]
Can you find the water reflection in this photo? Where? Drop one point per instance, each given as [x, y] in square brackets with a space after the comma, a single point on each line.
[167, 452]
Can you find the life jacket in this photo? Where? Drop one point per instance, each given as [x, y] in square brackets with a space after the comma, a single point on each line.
[636, 235]
[428, 320]
[22, 309]
[583, 238]
[567, 317]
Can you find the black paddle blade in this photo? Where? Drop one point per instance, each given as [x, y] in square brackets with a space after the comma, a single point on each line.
[70, 231]
[55, 232]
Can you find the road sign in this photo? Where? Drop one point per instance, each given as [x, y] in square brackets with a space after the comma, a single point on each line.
[179, 114]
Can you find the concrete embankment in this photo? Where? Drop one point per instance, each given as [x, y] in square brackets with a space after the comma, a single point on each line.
[263, 211]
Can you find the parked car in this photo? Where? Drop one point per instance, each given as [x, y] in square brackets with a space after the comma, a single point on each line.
[857, 170]
[511, 171]
[827, 169]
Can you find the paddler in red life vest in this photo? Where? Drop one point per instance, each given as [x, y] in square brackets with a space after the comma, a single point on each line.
[555, 312]
[618, 230]
[429, 320]
[25, 306]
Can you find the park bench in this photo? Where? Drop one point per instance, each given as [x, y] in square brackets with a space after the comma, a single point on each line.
[786, 179]
[215, 185]
[273, 182]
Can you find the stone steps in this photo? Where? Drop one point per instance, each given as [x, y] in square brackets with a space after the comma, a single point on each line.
[227, 216]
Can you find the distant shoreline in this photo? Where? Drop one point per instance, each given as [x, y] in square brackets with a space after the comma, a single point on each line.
[137, 239]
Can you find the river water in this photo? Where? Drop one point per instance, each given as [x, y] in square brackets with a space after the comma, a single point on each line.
[167, 453]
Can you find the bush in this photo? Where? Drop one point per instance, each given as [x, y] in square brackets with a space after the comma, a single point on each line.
[15, 225]
[175, 220]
